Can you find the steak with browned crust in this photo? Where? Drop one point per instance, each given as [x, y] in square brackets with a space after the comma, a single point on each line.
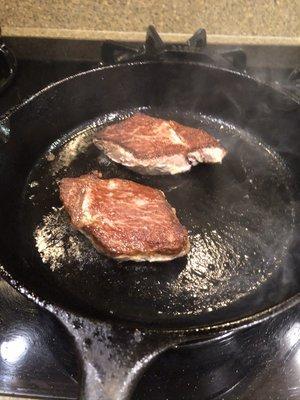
[123, 219]
[154, 146]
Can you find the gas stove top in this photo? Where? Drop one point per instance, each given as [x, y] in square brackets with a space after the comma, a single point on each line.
[37, 356]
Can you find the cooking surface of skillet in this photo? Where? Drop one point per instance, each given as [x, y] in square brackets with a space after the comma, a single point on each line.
[241, 215]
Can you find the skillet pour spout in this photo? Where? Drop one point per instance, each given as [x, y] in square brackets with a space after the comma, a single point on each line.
[113, 355]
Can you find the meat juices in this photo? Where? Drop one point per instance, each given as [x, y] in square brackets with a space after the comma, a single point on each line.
[153, 146]
[123, 219]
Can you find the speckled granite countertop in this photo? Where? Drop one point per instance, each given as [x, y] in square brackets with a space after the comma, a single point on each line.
[14, 398]
[226, 21]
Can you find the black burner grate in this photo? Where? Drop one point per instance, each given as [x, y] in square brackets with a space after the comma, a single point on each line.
[155, 49]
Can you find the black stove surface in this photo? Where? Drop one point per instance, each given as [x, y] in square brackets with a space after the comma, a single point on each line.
[38, 358]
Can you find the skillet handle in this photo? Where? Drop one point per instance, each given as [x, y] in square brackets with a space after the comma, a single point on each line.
[113, 356]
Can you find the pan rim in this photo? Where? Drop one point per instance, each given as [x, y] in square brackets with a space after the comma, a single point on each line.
[232, 325]
[53, 306]
[6, 115]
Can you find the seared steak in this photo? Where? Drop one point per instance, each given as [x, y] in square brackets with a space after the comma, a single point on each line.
[154, 146]
[123, 219]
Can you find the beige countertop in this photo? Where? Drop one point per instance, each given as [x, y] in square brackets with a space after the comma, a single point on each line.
[14, 398]
[226, 21]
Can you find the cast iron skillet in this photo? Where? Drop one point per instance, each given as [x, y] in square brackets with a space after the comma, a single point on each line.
[242, 216]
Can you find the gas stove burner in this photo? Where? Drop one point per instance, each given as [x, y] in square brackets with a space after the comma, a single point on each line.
[154, 48]
[8, 66]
